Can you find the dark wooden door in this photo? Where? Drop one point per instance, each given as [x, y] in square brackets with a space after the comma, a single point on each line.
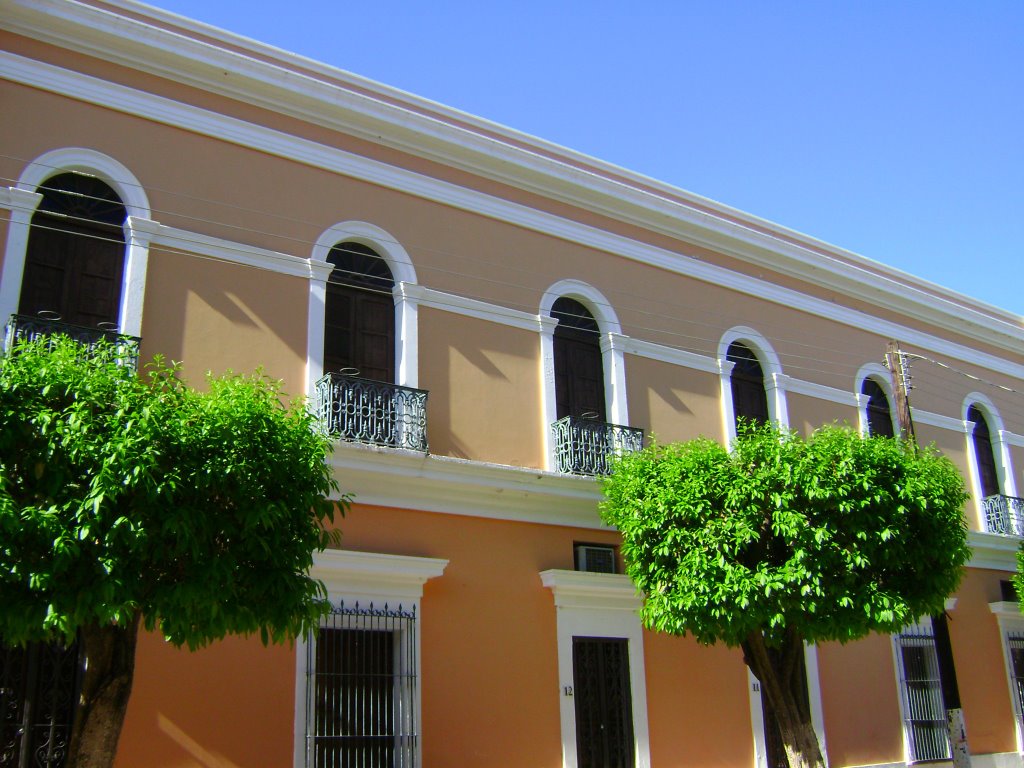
[749, 401]
[359, 332]
[579, 375]
[74, 270]
[988, 478]
[603, 702]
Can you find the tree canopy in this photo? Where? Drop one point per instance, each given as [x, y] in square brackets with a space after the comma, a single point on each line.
[784, 540]
[127, 499]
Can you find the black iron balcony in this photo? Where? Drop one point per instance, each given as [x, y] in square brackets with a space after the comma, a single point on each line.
[1004, 515]
[367, 411]
[583, 446]
[26, 327]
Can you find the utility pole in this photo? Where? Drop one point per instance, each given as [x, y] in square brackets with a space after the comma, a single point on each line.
[896, 362]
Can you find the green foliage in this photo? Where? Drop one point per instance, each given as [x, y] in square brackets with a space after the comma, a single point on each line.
[834, 536]
[118, 495]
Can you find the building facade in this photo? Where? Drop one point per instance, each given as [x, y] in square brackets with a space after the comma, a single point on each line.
[482, 318]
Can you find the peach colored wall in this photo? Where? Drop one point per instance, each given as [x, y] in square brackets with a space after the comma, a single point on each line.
[231, 705]
[806, 414]
[860, 701]
[672, 403]
[698, 706]
[484, 381]
[217, 316]
[980, 669]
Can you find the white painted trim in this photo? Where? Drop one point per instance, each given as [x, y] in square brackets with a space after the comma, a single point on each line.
[880, 374]
[671, 355]
[1009, 619]
[25, 199]
[822, 392]
[366, 577]
[406, 296]
[598, 605]
[612, 349]
[480, 310]
[992, 551]
[937, 420]
[298, 87]
[1013, 439]
[1000, 452]
[775, 381]
[412, 480]
[988, 328]
[549, 403]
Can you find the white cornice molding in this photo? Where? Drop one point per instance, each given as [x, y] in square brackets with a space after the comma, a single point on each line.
[481, 310]
[992, 551]
[296, 86]
[411, 480]
[194, 243]
[938, 420]
[379, 575]
[821, 392]
[1006, 609]
[672, 355]
[159, 109]
[581, 589]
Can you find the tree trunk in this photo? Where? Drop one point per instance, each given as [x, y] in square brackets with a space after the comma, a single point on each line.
[109, 653]
[777, 671]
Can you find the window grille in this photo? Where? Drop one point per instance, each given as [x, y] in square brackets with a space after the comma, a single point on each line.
[365, 411]
[1015, 643]
[361, 692]
[923, 711]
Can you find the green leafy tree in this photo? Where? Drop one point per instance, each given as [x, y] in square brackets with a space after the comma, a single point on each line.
[128, 501]
[784, 541]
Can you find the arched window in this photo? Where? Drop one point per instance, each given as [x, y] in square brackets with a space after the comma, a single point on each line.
[984, 456]
[74, 261]
[749, 400]
[879, 413]
[359, 314]
[579, 364]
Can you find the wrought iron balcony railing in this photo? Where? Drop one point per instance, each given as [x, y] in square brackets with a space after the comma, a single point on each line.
[367, 411]
[1004, 515]
[583, 446]
[26, 327]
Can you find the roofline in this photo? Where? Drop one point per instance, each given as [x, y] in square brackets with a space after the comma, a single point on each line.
[158, 42]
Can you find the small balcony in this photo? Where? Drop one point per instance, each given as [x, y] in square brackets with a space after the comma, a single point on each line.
[583, 446]
[1004, 515]
[26, 327]
[366, 411]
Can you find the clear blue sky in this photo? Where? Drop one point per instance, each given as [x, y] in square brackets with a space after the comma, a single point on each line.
[892, 129]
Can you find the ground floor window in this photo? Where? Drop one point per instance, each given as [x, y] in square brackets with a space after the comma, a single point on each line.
[38, 686]
[924, 714]
[361, 689]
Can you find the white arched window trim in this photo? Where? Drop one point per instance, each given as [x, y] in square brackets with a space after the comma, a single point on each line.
[880, 374]
[1000, 450]
[24, 199]
[774, 379]
[612, 353]
[407, 294]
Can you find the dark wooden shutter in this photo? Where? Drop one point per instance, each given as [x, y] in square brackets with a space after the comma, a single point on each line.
[74, 262]
[983, 454]
[878, 412]
[359, 329]
[579, 364]
[749, 401]
[603, 702]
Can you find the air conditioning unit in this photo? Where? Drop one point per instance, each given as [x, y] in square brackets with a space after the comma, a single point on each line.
[595, 558]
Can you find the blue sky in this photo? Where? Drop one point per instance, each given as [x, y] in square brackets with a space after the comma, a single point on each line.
[892, 129]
